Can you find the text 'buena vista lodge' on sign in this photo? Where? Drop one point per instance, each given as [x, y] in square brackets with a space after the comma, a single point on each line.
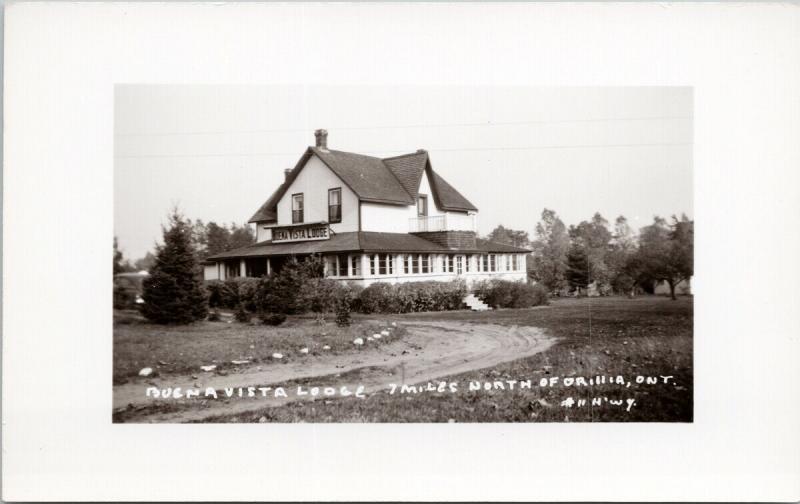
[301, 233]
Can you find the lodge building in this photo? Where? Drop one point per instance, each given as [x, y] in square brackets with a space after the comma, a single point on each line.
[372, 220]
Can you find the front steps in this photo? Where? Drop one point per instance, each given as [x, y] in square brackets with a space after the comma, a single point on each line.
[475, 304]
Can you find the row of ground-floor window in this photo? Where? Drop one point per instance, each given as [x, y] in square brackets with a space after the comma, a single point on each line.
[344, 266]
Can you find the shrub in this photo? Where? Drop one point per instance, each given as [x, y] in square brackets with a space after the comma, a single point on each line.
[288, 290]
[343, 307]
[242, 315]
[507, 294]
[231, 292]
[273, 319]
[378, 298]
[412, 297]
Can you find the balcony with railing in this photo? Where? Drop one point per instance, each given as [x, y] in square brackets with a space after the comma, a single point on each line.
[445, 222]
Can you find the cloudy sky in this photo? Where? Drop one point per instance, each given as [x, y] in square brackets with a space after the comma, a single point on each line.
[219, 151]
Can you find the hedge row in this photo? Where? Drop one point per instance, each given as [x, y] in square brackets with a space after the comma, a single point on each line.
[505, 294]
[296, 293]
[411, 297]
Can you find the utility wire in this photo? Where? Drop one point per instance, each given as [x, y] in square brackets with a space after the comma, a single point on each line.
[463, 149]
[406, 126]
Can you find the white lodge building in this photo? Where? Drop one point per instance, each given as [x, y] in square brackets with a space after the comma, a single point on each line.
[372, 220]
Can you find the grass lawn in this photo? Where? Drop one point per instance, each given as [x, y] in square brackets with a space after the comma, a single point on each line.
[183, 349]
[647, 336]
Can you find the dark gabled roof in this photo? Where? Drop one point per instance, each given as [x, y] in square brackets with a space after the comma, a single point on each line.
[447, 197]
[393, 181]
[269, 210]
[367, 176]
[361, 241]
[408, 169]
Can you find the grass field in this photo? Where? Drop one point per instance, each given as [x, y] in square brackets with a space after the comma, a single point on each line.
[183, 349]
[647, 336]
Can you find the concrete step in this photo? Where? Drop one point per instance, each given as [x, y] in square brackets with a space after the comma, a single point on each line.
[475, 303]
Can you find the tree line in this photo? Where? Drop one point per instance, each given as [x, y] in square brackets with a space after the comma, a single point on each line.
[612, 259]
[206, 240]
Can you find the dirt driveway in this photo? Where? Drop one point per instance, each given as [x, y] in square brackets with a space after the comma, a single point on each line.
[430, 350]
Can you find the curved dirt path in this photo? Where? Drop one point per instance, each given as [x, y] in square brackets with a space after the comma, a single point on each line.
[430, 350]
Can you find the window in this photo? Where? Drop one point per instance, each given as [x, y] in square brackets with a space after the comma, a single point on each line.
[515, 262]
[297, 208]
[386, 264]
[425, 263]
[373, 264]
[459, 265]
[492, 262]
[414, 263]
[342, 263]
[467, 260]
[335, 205]
[355, 265]
[483, 263]
[422, 205]
[449, 263]
[330, 266]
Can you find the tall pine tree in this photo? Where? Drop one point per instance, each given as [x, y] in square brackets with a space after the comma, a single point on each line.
[173, 294]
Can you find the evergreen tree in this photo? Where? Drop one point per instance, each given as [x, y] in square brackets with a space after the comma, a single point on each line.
[172, 293]
[577, 273]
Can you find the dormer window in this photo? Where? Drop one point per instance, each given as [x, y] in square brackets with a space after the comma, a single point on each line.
[335, 205]
[297, 208]
[422, 205]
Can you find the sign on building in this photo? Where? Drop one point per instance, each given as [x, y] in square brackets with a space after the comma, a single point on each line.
[301, 233]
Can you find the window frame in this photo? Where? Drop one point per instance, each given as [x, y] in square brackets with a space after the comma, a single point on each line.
[330, 206]
[301, 210]
[422, 198]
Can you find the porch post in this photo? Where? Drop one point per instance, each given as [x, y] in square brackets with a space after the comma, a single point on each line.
[242, 269]
[268, 266]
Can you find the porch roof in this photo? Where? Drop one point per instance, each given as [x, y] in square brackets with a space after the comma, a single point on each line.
[360, 241]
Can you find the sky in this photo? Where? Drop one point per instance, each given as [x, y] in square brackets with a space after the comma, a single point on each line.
[218, 152]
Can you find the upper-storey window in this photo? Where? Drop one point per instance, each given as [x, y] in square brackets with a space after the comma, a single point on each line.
[335, 205]
[422, 205]
[297, 208]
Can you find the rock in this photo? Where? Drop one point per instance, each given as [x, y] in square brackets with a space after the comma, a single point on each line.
[404, 352]
[358, 341]
[277, 356]
[239, 362]
[304, 350]
[251, 348]
[258, 368]
[194, 377]
[326, 347]
[370, 338]
[624, 342]
[163, 363]
[376, 336]
[196, 385]
[263, 419]
[542, 402]
[451, 420]
[208, 368]
[394, 324]
[222, 372]
[145, 371]
[384, 333]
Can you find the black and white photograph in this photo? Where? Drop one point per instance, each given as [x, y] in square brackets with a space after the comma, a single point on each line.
[431, 255]
[400, 251]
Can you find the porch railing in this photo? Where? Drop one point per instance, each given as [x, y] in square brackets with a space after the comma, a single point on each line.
[444, 222]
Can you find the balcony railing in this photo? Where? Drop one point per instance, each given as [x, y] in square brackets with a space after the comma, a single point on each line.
[445, 222]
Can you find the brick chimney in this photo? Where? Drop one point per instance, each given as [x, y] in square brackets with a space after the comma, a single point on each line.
[286, 173]
[322, 138]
